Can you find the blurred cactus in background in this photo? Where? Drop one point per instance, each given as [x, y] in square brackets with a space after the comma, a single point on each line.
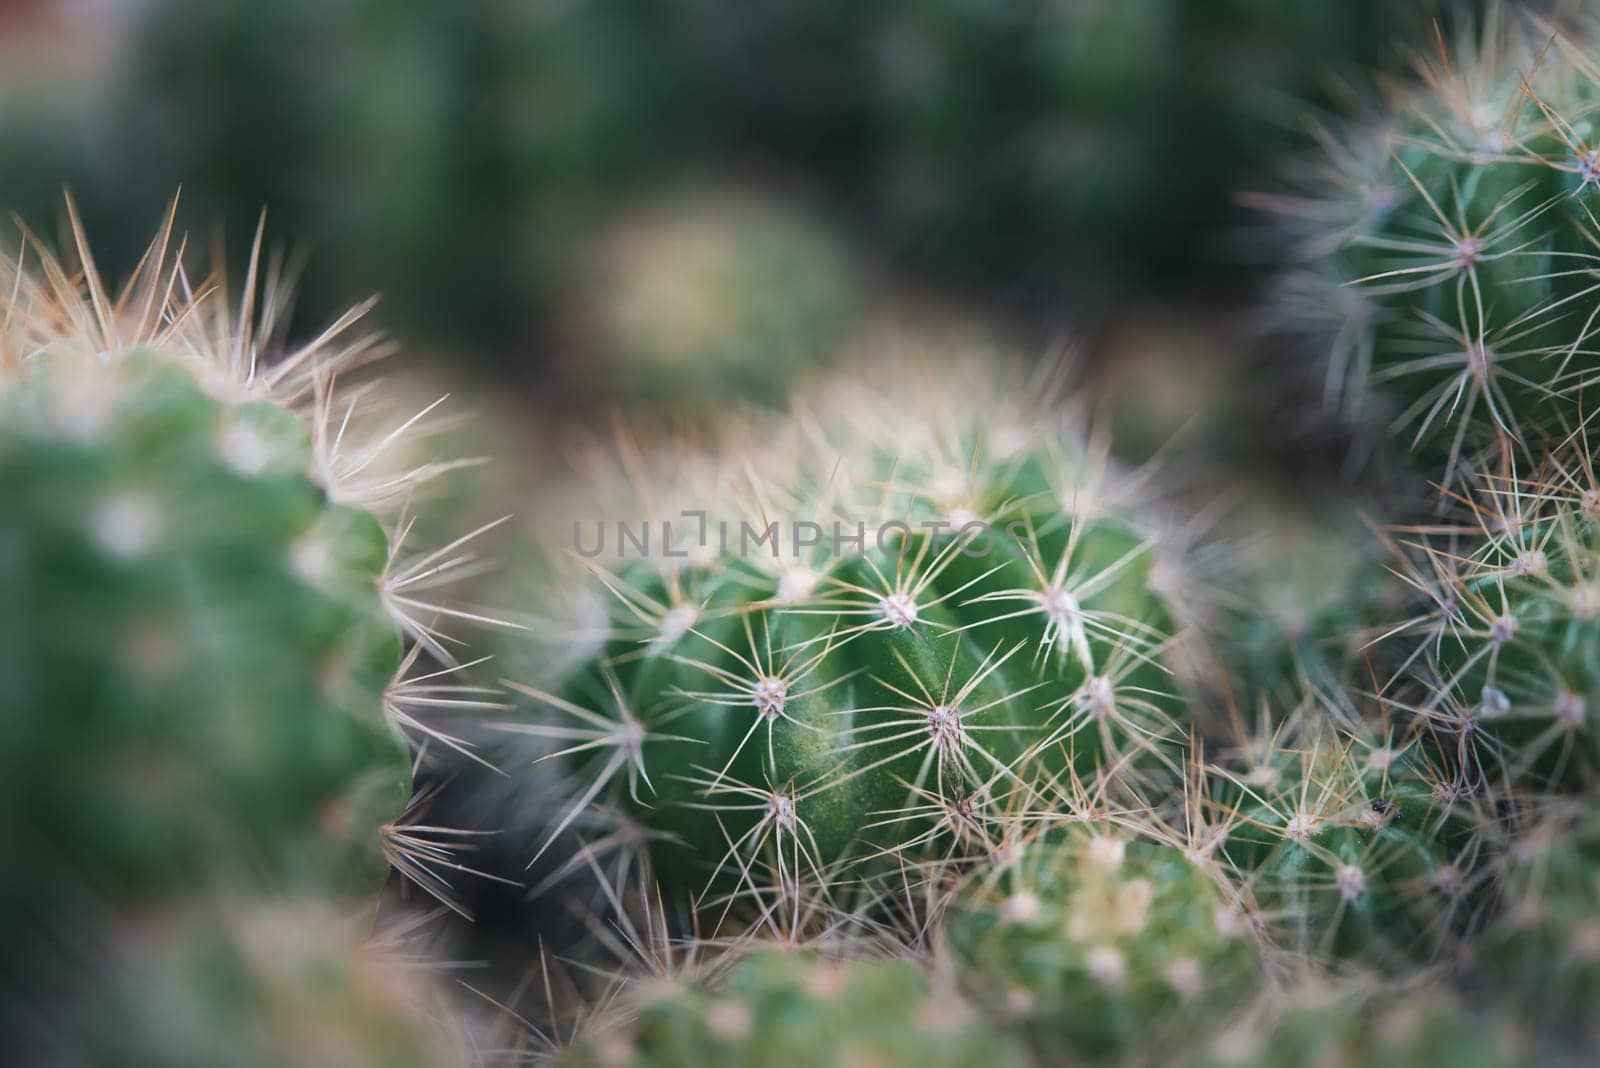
[777, 1007]
[1542, 955]
[713, 295]
[456, 157]
[1322, 1024]
[258, 984]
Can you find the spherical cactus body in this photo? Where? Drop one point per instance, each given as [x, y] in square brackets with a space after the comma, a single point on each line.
[783, 708]
[1098, 943]
[207, 619]
[210, 640]
[1442, 242]
[1356, 845]
[1502, 643]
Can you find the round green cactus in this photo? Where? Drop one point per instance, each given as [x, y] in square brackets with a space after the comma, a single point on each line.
[1097, 942]
[1504, 633]
[777, 709]
[793, 1007]
[206, 623]
[256, 984]
[711, 296]
[1355, 844]
[1442, 244]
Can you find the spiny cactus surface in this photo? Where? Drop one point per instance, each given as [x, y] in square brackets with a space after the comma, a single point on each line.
[204, 643]
[1355, 843]
[1096, 941]
[1502, 644]
[1447, 240]
[768, 710]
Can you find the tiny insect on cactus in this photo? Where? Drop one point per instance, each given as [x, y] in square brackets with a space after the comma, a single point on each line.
[205, 659]
[786, 709]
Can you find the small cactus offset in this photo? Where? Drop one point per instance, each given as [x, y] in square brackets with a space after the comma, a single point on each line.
[777, 710]
[1095, 942]
[777, 1007]
[205, 646]
[1443, 243]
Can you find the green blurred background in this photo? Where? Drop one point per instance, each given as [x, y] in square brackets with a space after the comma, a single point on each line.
[578, 204]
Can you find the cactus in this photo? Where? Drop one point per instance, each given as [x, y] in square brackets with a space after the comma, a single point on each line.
[1097, 942]
[1358, 843]
[709, 295]
[255, 983]
[205, 650]
[1371, 1025]
[1501, 642]
[781, 709]
[1311, 594]
[1441, 245]
[1542, 953]
[795, 1007]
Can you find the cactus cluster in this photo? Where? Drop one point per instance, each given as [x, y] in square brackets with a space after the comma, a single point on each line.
[920, 749]
[895, 723]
